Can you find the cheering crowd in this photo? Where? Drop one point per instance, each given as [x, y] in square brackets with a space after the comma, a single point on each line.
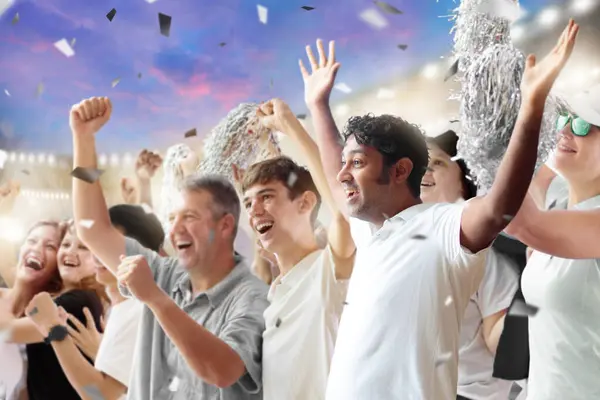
[401, 296]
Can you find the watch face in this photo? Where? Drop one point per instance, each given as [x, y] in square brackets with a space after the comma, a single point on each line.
[58, 333]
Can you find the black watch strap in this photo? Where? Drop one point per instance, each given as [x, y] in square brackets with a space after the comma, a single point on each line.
[57, 333]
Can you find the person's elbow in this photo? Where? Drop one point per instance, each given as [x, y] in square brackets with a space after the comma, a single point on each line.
[226, 375]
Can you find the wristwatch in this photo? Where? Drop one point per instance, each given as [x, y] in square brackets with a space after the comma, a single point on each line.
[57, 333]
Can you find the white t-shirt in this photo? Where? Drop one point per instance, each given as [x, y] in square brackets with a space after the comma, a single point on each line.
[301, 327]
[12, 370]
[115, 355]
[475, 361]
[396, 325]
[564, 336]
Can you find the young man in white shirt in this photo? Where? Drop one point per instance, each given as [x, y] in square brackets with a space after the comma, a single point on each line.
[307, 298]
[397, 337]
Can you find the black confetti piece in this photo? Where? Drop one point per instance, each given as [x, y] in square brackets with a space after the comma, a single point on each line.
[278, 323]
[33, 311]
[345, 303]
[419, 237]
[191, 133]
[164, 21]
[403, 46]
[111, 14]
[387, 8]
[552, 205]
[515, 390]
[89, 175]
[301, 116]
[454, 121]
[307, 8]
[139, 75]
[452, 71]
[16, 19]
[222, 44]
[24, 171]
[521, 309]
[93, 392]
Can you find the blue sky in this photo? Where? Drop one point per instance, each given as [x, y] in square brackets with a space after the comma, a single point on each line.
[188, 79]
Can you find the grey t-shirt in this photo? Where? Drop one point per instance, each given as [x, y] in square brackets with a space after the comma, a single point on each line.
[232, 310]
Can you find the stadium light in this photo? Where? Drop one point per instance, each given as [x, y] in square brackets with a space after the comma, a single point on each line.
[549, 17]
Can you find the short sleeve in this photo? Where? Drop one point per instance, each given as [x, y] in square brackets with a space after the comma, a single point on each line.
[447, 225]
[75, 301]
[243, 333]
[499, 285]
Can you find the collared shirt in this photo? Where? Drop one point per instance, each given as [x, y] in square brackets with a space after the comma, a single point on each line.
[232, 310]
[564, 335]
[399, 333]
[301, 328]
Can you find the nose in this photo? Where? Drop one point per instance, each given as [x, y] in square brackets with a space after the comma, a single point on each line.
[256, 209]
[176, 226]
[344, 174]
[566, 133]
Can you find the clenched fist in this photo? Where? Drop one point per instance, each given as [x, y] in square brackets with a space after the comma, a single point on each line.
[147, 164]
[44, 313]
[135, 274]
[90, 115]
[276, 115]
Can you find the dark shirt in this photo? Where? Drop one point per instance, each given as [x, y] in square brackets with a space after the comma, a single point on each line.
[45, 377]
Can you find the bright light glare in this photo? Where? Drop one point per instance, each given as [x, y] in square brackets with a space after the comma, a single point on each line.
[103, 160]
[549, 17]
[51, 160]
[12, 230]
[583, 6]
[430, 71]
[517, 32]
[342, 109]
[596, 72]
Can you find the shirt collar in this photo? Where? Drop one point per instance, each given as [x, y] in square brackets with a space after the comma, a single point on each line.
[218, 292]
[592, 202]
[408, 213]
[295, 274]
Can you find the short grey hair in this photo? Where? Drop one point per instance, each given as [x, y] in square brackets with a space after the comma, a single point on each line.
[224, 196]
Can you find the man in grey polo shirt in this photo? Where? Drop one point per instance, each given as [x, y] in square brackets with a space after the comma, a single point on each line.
[200, 333]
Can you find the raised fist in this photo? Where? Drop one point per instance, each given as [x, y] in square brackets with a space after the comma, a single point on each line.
[147, 164]
[128, 191]
[90, 115]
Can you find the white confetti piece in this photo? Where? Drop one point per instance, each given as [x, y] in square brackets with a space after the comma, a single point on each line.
[373, 18]
[64, 47]
[448, 301]
[147, 208]
[292, 178]
[263, 13]
[151, 1]
[505, 9]
[521, 309]
[5, 5]
[86, 223]
[455, 158]
[3, 158]
[385, 94]
[443, 359]
[174, 386]
[40, 90]
[342, 87]
[6, 92]
[115, 82]
[73, 41]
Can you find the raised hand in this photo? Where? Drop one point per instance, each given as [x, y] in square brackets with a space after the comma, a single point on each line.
[8, 194]
[89, 116]
[147, 164]
[238, 177]
[275, 115]
[44, 313]
[319, 82]
[539, 77]
[128, 191]
[135, 274]
[86, 337]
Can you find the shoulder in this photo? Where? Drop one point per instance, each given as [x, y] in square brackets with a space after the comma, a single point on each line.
[249, 291]
[78, 299]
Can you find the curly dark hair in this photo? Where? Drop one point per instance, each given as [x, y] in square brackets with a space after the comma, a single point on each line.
[394, 138]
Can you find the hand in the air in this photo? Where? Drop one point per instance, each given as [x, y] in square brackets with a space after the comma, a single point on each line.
[128, 191]
[319, 82]
[86, 337]
[135, 274]
[276, 115]
[147, 164]
[266, 255]
[89, 116]
[539, 77]
[44, 313]
[8, 194]
[238, 177]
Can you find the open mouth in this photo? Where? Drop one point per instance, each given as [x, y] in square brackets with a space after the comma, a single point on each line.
[34, 263]
[263, 227]
[351, 193]
[427, 184]
[183, 245]
[70, 264]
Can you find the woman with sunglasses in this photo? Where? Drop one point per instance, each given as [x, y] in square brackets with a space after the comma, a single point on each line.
[562, 277]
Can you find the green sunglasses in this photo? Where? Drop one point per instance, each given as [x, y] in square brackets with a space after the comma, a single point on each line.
[579, 126]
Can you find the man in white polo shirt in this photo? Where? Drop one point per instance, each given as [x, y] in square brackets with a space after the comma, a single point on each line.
[399, 333]
[307, 298]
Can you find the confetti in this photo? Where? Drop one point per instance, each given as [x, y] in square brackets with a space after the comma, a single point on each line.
[307, 8]
[504, 9]
[469, 178]
[191, 133]
[174, 385]
[301, 116]
[25, 172]
[115, 82]
[151, 1]
[63, 46]
[5, 4]
[263, 13]
[222, 44]
[73, 41]
[443, 359]
[147, 209]
[515, 390]
[33, 311]
[374, 19]
[111, 14]
[419, 237]
[16, 18]
[454, 121]
[448, 301]
[271, 83]
[164, 21]
[89, 175]
[6, 92]
[292, 178]
[278, 323]
[86, 223]
[139, 75]
[452, 71]
[342, 87]
[384, 93]
[521, 309]
[93, 392]
[3, 158]
[403, 46]
[387, 8]
[40, 90]
[552, 205]
[455, 158]
[507, 217]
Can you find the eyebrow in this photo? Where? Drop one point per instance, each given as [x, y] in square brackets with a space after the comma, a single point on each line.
[356, 151]
[262, 191]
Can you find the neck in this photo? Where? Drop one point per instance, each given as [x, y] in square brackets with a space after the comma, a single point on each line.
[211, 272]
[581, 191]
[114, 295]
[393, 208]
[20, 296]
[295, 252]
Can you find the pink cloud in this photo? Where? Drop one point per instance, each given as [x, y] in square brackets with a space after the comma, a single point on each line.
[83, 85]
[232, 93]
[197, 87]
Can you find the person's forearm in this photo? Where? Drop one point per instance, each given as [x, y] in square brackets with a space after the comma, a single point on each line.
[144, 192]
[8, 262]
[213, 360]
[494, 335]
[82, 375]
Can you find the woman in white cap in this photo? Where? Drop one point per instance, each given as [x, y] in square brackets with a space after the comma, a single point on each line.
[562, 277]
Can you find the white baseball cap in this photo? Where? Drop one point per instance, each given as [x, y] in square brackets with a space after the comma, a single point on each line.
[586, 105]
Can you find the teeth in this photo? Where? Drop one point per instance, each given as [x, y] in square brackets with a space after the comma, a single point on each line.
[32, 261]
[179, 244]
[264, 225]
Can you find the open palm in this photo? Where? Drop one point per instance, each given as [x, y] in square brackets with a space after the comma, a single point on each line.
[538, 78]
[319, 82]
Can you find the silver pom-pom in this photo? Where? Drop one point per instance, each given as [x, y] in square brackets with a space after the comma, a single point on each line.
[238, 139]
[490, 105]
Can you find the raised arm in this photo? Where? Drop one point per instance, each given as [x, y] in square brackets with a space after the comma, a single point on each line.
[8, 254]
[145, 168]
[277, 116]
[317, 89]
[87, 118]
[485, 217]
